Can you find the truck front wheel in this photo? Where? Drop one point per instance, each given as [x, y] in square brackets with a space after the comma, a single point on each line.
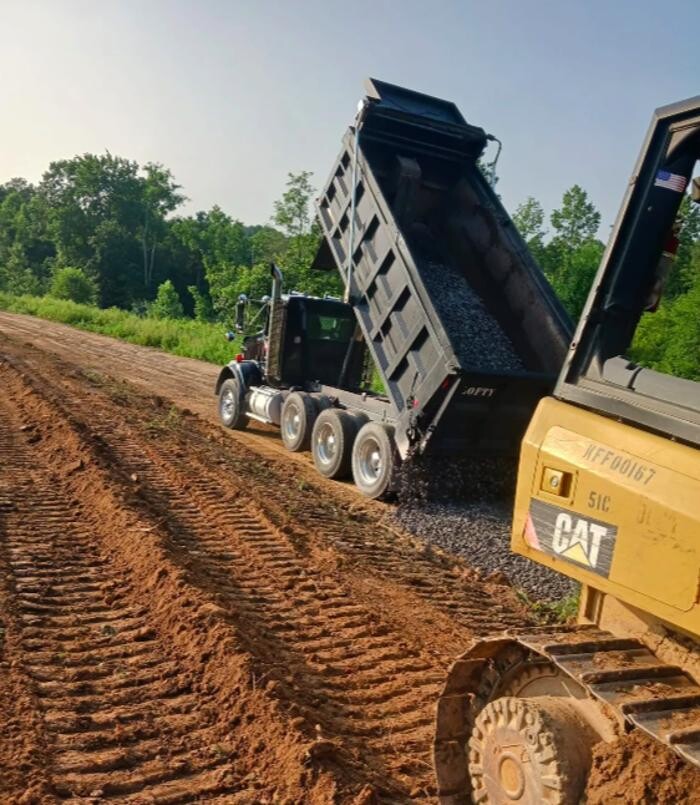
[374, 460]
[231, 408]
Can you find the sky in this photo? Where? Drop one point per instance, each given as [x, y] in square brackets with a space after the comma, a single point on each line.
[231, 96]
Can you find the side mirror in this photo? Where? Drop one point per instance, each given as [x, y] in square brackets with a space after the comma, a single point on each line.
[240, 312]
[230, 336]
[695, 190]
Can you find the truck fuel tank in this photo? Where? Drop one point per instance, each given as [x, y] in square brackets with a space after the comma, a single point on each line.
[265, 404]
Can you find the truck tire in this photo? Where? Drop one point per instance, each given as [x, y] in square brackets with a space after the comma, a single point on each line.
[331, 442]
[374, 460]
[231, 406]
[299, 413]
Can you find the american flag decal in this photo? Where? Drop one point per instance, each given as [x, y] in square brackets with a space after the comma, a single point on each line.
[670, 181]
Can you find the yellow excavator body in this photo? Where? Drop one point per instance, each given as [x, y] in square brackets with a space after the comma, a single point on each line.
[615, 507]
[608, 493]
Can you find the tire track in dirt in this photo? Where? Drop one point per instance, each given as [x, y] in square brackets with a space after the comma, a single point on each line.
[368, 685]
[187, 382]
[263, 661]
[124, 715]
[104, 686]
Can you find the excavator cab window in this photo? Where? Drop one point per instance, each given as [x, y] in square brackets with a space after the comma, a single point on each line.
[602, 371]
[670, 279]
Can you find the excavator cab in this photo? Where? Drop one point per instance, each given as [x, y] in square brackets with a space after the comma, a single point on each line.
[599, 372]
[607, 494]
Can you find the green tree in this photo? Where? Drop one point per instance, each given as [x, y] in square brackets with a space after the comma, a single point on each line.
[668, 340]
[74, 284]
[293, 215]
[159, 198]
[26, 251]
[266, 244]
[577, 220]
[203, 308]
[292, 212]
[686, 267]
[106, 216]
[529, 219]
[253, 281]
[576, 273]
[167, 304]
[221, 246]
[572, 256]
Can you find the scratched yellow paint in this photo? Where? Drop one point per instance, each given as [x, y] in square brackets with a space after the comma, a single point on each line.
[646, 488]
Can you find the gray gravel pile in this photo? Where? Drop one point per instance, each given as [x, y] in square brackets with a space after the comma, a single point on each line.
[465, 506]
[437, 478]
[475, 335]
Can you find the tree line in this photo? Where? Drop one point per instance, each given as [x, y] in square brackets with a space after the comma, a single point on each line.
[569, 253]
[103, 229]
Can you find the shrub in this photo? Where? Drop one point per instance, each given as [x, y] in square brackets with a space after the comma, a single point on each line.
[203, 308]
[73, 284]
[167, 304]
[191, 339]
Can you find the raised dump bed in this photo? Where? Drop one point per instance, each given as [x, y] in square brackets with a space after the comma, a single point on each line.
[463, 327]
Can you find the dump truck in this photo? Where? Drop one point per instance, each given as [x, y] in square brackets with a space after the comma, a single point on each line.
[442, 298]
[607, 494]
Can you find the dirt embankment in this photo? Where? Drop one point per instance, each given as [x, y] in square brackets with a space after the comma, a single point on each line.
[186, 618]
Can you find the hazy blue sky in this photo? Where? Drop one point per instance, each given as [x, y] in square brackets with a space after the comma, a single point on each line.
[232, 95]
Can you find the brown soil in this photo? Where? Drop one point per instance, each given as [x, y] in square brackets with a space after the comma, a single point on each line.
[187, 383]
[637, 769]
[191, 615]
[183, 621]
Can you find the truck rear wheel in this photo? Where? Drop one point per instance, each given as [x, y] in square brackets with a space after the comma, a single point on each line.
[231, 407]
[297, 420]
[374, 460]
[331, 442]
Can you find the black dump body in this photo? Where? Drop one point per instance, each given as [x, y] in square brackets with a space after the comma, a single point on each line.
[462, 325]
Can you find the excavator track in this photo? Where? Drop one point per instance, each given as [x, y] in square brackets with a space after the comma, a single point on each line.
[626, 679]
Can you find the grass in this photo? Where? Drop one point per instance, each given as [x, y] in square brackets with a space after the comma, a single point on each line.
[546, 612]
[185, 337]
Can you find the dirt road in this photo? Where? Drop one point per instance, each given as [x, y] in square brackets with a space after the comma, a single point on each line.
[183, 619]
[187, 383]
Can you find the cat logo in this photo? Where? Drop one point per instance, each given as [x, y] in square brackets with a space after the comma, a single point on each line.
[583, 541]
[578, 540]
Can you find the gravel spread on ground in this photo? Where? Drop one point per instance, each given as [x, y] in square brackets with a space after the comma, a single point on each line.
[480, 532]
[466, 507]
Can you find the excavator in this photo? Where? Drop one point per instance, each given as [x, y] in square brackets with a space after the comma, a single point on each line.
[608, 493]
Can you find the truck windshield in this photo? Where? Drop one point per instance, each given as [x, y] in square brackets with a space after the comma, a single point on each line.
[330, 328]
